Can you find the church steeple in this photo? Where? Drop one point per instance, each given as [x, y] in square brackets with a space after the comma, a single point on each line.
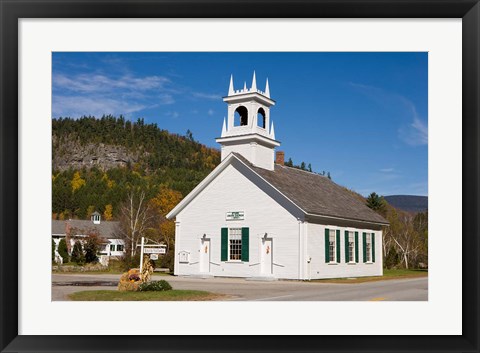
[248, 129]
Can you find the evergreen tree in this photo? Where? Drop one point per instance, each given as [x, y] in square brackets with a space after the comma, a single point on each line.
[53, 250]
[375, 202]
[77, 253]
[91, 248]
[63, 251]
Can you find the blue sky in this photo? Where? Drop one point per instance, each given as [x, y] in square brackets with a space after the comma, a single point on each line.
[361, 116]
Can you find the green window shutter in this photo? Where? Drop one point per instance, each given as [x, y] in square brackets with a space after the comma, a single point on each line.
[347, 257]
[224, 253]
[356, 247]
[245, 247]
[364, 247]
[338, 245]
[373, 247]
[327, 245]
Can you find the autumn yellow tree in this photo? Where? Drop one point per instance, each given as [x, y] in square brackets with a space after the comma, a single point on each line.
[77, 181]
[90, 210]
[162, 203]
[108, 213]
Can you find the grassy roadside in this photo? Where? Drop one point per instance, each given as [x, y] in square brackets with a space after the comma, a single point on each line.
[387, 275]
[171, 295]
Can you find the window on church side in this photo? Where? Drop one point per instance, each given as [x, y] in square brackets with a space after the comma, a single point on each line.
[351, 247]
[368, 248]
[241, 116]
[261, 118]
[332, 246]
[235, 244]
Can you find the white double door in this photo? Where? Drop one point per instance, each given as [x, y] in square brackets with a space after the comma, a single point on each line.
[266, 263]
[205, 256]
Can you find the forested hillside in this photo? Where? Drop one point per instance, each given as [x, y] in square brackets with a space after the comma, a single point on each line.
[97, 161]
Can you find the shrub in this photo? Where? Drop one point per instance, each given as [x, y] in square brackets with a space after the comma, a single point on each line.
[77, 254]
[63, 251]
[128, 261]
[53, 250]
[157, 286]
[91, 247]
[168, 260]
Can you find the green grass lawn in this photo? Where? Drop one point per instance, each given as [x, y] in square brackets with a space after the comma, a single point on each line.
[171, 295]
[387, 275]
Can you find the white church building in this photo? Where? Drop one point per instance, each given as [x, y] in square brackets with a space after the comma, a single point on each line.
[254, 217]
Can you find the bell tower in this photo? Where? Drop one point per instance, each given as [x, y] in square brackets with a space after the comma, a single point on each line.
[248, 129]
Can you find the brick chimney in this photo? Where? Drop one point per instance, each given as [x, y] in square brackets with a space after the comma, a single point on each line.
[280, 158]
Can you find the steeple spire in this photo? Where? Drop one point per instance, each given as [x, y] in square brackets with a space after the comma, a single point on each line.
[224, 128]
[247, 128]
[230, 89]
[254, 82]
[272, 132]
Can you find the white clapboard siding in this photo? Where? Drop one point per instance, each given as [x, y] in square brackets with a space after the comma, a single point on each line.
[206, 214]
[317, 268]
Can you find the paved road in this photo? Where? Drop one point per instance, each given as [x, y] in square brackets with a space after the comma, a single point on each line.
[240, 289]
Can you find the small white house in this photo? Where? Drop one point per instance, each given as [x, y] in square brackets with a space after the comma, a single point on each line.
[74, 229]
[254, 217]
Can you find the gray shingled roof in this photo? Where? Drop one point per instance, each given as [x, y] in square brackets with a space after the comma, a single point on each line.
[105, 229]
[316, 194]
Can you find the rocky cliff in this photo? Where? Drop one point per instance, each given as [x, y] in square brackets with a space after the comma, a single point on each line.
[68, 153]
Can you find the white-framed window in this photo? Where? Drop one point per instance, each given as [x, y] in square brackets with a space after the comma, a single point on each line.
[235, 244]
[119, 247]
[332, 246]
[112, 247]
[351, 247]
[368, 247]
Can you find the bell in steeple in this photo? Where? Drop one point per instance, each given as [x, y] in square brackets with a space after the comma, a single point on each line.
[248, 129]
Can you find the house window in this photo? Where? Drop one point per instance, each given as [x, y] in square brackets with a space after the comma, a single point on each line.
[332, 246]
[235, 244]
[351, 246]
[112, 247]
[368, 247]
[119, 247]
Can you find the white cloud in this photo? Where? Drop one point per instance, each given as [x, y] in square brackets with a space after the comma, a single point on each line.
[210, 96]
[387, 170]
[77, 106]
[414, 133]
[173, 115]
[210, 112]
[98, 94]
[87, 83]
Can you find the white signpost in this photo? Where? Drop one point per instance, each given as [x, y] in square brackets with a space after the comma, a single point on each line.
[152, 249]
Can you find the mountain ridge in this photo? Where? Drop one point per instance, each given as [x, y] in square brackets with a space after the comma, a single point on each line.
[410, 203]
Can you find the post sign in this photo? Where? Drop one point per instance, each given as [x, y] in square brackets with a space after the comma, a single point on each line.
[153, 256]
[235, 216]
[154, 250]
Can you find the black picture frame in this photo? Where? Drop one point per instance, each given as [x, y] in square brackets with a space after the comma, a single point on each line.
[11, 11]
